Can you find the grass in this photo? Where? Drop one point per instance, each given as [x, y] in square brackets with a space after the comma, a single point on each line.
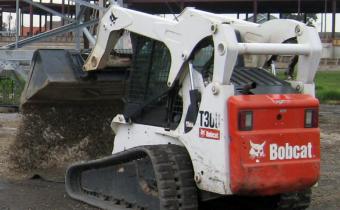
[10, 91]
[328, 86]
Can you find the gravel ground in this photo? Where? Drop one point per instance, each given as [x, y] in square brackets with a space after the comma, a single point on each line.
[327, 195]
[22, 190]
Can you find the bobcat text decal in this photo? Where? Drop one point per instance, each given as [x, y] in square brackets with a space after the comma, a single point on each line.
[276, 152]
[289, 152]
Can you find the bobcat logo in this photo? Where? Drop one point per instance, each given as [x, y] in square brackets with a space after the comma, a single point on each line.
[256, 151]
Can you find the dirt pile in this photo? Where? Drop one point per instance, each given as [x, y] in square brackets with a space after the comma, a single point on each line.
[55, 136]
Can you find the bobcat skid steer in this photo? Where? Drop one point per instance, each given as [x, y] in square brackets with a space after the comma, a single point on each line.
[200, 123]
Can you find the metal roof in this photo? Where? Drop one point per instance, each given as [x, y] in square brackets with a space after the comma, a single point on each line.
[218, 6]
[234, 6]
[9, 6]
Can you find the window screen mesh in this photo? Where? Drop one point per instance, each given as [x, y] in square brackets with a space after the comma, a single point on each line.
[150, 71]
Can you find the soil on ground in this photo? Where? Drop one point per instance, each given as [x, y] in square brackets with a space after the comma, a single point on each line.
[326, 195]
[37, 183]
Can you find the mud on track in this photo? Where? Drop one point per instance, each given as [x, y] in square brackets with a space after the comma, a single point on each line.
[18, 190]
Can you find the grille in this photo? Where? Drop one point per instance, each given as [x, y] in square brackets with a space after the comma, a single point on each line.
[150, 70]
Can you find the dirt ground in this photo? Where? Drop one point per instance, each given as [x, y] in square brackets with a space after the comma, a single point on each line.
[26, 191]
[326, 195]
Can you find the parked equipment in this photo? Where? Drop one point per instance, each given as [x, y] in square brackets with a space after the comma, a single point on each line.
[202, 119]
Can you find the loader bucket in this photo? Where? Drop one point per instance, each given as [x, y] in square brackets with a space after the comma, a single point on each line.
[56, 76]
[66, 112]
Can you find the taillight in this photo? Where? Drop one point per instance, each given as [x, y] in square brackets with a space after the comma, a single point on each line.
[311, 118]
[245, 120]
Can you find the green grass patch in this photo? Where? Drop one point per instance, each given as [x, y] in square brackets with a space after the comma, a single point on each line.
[328, 86]
[10, 90]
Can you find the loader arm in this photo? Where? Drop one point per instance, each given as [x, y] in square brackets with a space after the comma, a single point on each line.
[193, 25]
[173, 34]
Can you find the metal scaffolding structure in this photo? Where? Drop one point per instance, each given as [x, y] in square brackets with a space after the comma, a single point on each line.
[15, 62]
[67, 8]
[70, 22]
[81, 16]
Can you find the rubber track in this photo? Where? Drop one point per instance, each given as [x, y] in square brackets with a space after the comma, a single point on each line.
[177, 189]
[174, 175]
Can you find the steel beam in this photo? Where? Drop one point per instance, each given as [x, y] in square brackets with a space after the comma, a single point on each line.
[80, 12]
[89, 36]
[255, 11]
[17, 25]
[31, 20]
[51, 17]
[16, 55]
[87, 4]
[217, 6]
[325, 16]
[78, 29]
[68, 9]
[43, 7]
[54, 32]
[45, 22]
[40, 20]
[63, 12]
[1, 19]
[22, 24]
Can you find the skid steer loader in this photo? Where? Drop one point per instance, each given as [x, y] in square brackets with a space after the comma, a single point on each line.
[200, 123]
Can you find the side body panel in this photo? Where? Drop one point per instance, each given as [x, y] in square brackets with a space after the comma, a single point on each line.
[207, 143]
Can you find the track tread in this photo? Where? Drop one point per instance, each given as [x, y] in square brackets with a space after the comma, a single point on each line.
[176, 164]
[173, 179]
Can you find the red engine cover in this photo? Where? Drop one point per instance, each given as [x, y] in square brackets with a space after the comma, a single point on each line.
[279, 154]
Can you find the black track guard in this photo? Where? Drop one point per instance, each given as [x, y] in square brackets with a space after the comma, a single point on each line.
[149, 177]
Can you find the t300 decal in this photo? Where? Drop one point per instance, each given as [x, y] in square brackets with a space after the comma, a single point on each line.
[209, 125]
